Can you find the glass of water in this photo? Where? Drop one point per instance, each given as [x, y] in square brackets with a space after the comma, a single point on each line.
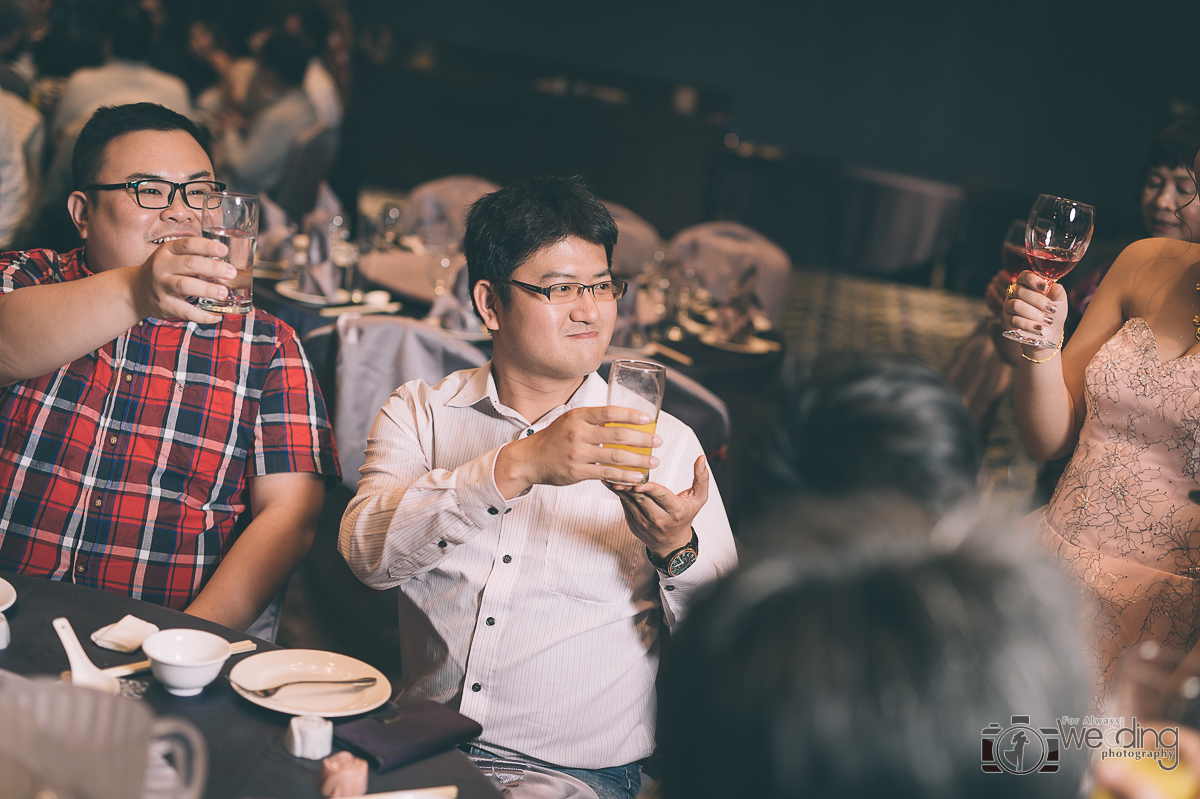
[232, 219]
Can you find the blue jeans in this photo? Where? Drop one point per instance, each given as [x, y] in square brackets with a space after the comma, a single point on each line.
[615, 782]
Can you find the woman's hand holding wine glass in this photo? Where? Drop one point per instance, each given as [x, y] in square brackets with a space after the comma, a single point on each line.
[1056, 237]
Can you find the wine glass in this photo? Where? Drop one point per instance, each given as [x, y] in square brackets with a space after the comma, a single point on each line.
[1056, 237]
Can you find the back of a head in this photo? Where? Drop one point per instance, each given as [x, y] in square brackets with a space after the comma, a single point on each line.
[870, 670]
[507, 226]
[129, 30]
[110, 122]
[287, 56]
[1176, 145]
[872, 426]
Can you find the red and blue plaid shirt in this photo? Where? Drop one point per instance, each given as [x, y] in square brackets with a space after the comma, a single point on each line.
[126, 470]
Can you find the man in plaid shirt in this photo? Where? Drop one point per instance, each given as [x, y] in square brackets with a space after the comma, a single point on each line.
[148, 447]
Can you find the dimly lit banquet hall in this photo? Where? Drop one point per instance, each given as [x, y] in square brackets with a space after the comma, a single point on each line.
[573, 401]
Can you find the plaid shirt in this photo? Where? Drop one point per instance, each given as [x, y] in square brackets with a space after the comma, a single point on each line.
[126, 469]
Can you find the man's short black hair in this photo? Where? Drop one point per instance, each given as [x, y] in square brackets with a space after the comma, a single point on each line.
[110, 122]
[287, 56]
[509, 225]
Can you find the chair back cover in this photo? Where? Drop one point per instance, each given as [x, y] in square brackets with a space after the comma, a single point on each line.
[721, 252]
[376, 355]
[637, 241]
[437, 210]
[312, 157]
[888, 222]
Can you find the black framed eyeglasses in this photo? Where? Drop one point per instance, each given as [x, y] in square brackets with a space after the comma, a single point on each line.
[604, 291]
[155, 195]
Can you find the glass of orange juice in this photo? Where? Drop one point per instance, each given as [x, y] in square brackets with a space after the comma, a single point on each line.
[638, 385]
[1157, 698]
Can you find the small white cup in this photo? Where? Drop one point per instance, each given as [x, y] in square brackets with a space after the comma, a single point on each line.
[185, 660]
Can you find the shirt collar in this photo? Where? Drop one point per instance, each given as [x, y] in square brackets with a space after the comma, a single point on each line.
[482, 386]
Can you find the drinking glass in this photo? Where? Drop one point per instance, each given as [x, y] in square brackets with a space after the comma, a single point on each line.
[1056, 237]
[1156, 699]
[638, 385]
[232, 219]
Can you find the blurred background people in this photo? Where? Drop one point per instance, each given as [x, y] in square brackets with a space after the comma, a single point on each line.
[253, 161]
[870, 426]
[14, 14]
[871, 666]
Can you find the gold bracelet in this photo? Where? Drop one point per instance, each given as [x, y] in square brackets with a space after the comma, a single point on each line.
[1049, 357]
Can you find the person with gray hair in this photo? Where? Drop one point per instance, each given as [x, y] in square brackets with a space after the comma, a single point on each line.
[874, 665]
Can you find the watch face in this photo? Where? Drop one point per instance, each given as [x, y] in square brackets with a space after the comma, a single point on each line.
[681, 561]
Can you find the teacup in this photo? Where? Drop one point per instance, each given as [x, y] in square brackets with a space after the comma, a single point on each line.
[185, 660]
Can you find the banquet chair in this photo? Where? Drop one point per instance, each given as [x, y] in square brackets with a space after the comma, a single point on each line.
[437, 210]
[888, 223]
[311, 159]
[637, 241]
[359, 362]
[719, 253]
[698, 408]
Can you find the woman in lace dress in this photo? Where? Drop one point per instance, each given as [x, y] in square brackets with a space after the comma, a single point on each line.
[1125, 397]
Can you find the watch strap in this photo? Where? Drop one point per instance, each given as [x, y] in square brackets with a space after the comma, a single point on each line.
[678, 561]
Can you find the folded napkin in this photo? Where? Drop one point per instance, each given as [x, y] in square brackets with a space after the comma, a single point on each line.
[407, 734]
[454, 310]
[124, 636]
[273, 230]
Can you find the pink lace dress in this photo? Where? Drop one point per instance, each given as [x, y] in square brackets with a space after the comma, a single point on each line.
[1120, 518]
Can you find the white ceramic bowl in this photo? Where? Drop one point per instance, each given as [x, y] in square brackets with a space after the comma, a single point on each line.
[184, 660]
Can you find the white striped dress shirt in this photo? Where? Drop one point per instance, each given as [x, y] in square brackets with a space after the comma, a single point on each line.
[537, 616]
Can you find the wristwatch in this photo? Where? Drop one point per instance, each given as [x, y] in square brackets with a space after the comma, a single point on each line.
[678, 561]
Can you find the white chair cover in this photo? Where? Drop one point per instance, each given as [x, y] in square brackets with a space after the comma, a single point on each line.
[887, 222]
[720, 252]
[437, 210]
[637, 241]
[377, 354]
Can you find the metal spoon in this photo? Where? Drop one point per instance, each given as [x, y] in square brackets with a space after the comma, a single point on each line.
[361, 682]
[83, 671]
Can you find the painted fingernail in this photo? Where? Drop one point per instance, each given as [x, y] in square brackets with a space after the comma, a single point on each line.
[1051, 308]
[1049, 321]
[1037, 328]
[1041, 286]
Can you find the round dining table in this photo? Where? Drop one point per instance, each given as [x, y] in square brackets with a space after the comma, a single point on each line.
[245, 741]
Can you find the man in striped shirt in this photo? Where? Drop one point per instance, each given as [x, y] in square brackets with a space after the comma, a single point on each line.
[148, 447]
[535, 576]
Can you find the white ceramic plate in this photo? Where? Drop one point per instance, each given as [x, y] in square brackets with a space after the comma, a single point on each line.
[272, 668]
[287, 288]
[8, 595]
[751, 346]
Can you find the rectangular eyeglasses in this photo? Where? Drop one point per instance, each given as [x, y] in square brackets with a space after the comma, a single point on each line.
[155, 195]
[604, 291]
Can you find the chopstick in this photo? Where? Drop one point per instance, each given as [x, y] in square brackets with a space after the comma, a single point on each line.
[338, 310]
[440, 792]
[142, 665]
[675, 355]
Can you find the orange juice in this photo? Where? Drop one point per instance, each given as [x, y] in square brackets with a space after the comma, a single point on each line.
[1178, 783]
[649, 428]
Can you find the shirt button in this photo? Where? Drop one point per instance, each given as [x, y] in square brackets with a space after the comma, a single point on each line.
[493, 511]
[141, 324]
[506, 510]
[476, 687]
[112, 439]
[128, 378]
[80, 568]
[97, 503]
[668, 588]
[529, 432]
[490, 621]
[442, 544]
[508, 558]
